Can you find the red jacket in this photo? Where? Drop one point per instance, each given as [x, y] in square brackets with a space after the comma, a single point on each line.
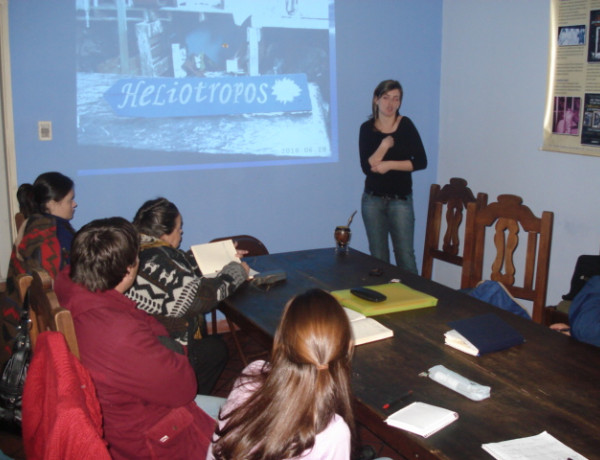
[146, 391]
[61, 415]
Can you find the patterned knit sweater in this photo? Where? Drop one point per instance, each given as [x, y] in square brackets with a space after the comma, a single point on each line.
[170, 287]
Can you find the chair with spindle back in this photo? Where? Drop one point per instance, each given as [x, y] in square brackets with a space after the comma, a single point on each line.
[447, 202]
[508, 216]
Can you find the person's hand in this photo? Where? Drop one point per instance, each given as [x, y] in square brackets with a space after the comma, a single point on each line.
[381, 168]
[387, 142]
[562, 328]
[239, 253]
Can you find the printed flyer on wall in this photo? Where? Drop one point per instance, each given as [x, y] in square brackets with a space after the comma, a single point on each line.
[572, 115]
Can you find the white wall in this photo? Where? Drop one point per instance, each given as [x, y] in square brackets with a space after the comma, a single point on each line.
[494, 72]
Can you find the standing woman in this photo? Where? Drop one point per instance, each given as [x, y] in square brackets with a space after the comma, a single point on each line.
[390, 149]
[299, 404]
[43, 241]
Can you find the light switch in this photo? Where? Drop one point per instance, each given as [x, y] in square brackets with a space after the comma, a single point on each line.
[45, 130]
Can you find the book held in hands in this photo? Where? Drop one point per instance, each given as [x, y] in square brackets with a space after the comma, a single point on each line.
[212, 257]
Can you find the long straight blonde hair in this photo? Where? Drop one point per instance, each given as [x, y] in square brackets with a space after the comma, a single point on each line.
[306, 383]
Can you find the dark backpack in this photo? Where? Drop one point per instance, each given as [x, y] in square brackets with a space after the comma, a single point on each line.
[586, 267]
[14, 373]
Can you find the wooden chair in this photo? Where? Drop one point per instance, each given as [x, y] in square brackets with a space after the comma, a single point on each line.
[23, 282]
[509, 215]
[46, 314]
[255, 247]
[454, 197]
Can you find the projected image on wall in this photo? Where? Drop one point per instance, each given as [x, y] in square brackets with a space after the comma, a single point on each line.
[207, 82]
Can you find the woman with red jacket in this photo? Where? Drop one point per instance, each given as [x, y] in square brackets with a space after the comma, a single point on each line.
[145, 388]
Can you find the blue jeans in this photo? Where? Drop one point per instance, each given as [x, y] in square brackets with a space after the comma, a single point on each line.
[394, 217]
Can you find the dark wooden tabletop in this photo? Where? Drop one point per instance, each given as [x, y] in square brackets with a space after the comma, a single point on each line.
[550, 383]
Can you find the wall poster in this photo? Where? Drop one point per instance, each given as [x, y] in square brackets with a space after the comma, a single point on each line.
[572, 116]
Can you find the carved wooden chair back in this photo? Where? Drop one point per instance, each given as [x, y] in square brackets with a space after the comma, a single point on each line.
[508, 216]
[253, 245]
[453, 199]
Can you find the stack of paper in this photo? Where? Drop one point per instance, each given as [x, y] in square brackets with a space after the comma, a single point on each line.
[422, 418]
[365, 329]
[542, 446]
[482, 334]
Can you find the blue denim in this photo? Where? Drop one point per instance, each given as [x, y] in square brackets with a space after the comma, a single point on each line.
[394, 217]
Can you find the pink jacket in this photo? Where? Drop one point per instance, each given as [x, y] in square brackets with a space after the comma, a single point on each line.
[333, 443]
[146, 391]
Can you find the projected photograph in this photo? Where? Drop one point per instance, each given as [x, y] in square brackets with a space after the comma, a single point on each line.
[225, 81]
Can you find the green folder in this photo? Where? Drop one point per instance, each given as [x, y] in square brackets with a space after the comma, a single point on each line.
[399, 298]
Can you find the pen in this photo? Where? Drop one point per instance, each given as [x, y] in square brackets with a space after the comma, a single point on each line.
[398, 402]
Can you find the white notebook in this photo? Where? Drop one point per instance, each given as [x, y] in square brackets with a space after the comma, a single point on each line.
[365, 329]
[422, 418]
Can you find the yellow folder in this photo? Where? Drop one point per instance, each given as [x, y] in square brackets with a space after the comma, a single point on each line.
[399, 298]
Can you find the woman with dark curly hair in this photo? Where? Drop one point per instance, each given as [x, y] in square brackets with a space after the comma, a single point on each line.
[170, 287]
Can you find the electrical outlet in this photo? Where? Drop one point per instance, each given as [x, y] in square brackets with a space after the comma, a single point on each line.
[45, 130]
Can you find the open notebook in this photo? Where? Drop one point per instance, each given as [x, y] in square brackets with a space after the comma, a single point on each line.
[365, 329]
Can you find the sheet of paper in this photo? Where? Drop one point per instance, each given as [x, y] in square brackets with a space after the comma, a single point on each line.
[543, 446]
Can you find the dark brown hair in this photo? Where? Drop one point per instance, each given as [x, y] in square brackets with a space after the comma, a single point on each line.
[48, 186]
[306, 383]
[102, 251]
[384, 87]
[156, 217]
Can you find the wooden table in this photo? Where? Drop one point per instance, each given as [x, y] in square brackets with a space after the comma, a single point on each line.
[550, 383]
